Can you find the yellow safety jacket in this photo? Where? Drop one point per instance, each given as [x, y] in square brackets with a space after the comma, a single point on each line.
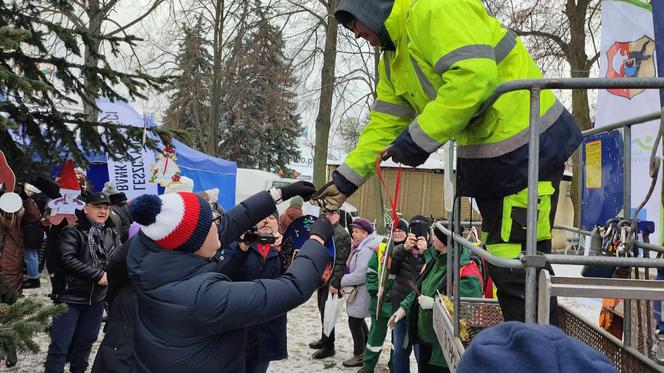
[450, 56]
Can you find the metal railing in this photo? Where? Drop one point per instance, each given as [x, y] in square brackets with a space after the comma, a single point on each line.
[531, 261]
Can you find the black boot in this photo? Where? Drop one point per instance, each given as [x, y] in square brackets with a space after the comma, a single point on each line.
[318, 344]
[323, 353]
[31, 283]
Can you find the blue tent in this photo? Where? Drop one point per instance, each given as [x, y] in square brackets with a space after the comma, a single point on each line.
[207, 172]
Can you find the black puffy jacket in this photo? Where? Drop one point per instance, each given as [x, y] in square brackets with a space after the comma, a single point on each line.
[75, 280]
[406, 268]
[116, 350]
[191, 318]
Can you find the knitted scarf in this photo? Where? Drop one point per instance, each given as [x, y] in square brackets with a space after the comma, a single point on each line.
[98, 253]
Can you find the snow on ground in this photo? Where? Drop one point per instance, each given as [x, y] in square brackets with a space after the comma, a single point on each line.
[303, 327]
[586, 308]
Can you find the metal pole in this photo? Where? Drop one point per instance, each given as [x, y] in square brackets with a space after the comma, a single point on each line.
[624, 123]
[533, 177]
[449, 171]
[627, 213]
[579, 181]
[457, 261]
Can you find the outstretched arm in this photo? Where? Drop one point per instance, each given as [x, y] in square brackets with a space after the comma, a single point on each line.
[225, 305]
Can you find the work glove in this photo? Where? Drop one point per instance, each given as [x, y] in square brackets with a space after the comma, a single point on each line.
[333, 194]
[303, 189]
[396, 317]
[323, 229]
[329, 197]
[426, 303]
[404, 150]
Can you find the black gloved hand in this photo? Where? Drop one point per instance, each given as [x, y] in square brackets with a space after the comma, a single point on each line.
[303, 189]
[405, 150]
[322, 228]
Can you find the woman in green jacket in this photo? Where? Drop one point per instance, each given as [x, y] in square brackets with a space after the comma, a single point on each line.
[419, 309]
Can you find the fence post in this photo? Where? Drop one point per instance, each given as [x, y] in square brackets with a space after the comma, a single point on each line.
[457, 261]
[449, 171]
[533, 177]
[627, 213]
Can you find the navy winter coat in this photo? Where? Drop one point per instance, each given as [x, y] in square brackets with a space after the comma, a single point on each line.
[266, 341]
[191, 318]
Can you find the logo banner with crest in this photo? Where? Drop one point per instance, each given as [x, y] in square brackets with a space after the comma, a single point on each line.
[627, 51]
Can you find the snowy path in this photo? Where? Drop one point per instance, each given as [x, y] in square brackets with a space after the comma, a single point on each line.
[303, 327]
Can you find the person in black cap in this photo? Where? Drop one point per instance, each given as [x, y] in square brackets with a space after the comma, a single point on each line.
[80, 283]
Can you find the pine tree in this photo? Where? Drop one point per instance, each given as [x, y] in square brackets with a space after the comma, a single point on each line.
[260, 127]
[189, 105]
[33, 121]
[19, 321]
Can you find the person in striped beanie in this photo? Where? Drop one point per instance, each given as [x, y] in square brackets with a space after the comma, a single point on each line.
[176, 221]
[190, 316]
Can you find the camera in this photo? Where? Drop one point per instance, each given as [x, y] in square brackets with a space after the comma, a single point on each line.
[252, 236]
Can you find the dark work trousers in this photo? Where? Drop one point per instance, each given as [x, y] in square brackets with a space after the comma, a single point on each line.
[423, 365]
[256, 366]
[328, 342]
[360, 333]
[78, 328]
[511, 283]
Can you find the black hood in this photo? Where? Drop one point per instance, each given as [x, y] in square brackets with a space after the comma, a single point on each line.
[373, 13]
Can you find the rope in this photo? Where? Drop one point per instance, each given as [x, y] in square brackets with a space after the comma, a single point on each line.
[393, 201]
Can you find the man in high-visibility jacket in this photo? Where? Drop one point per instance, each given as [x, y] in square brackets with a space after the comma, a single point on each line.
[442, 60]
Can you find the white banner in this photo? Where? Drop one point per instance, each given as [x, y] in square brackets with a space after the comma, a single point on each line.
[130, 176]
[628, 50]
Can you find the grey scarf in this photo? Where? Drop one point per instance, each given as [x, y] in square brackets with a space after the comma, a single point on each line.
[98, 253]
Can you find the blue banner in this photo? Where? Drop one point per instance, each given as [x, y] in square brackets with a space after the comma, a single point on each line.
[602, 178]
[658, 23]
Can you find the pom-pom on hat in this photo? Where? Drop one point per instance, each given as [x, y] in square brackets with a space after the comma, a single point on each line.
[174, 221]
[110, 188]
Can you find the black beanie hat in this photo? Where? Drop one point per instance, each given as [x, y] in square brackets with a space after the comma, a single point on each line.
[439, 234]
[403, 225]
[373, 13]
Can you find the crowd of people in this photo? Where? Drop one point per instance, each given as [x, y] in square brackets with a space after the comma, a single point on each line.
[187, 285]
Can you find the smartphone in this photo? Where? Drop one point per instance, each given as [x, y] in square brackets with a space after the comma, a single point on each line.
[419, 230]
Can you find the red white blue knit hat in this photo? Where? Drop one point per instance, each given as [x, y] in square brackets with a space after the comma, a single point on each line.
[174, 221]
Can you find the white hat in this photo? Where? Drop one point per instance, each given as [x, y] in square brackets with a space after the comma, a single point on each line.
[185, 185]
[10, 202]
[31, 188]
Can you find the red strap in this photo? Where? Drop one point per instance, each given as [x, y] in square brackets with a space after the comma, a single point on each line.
[395, 200]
